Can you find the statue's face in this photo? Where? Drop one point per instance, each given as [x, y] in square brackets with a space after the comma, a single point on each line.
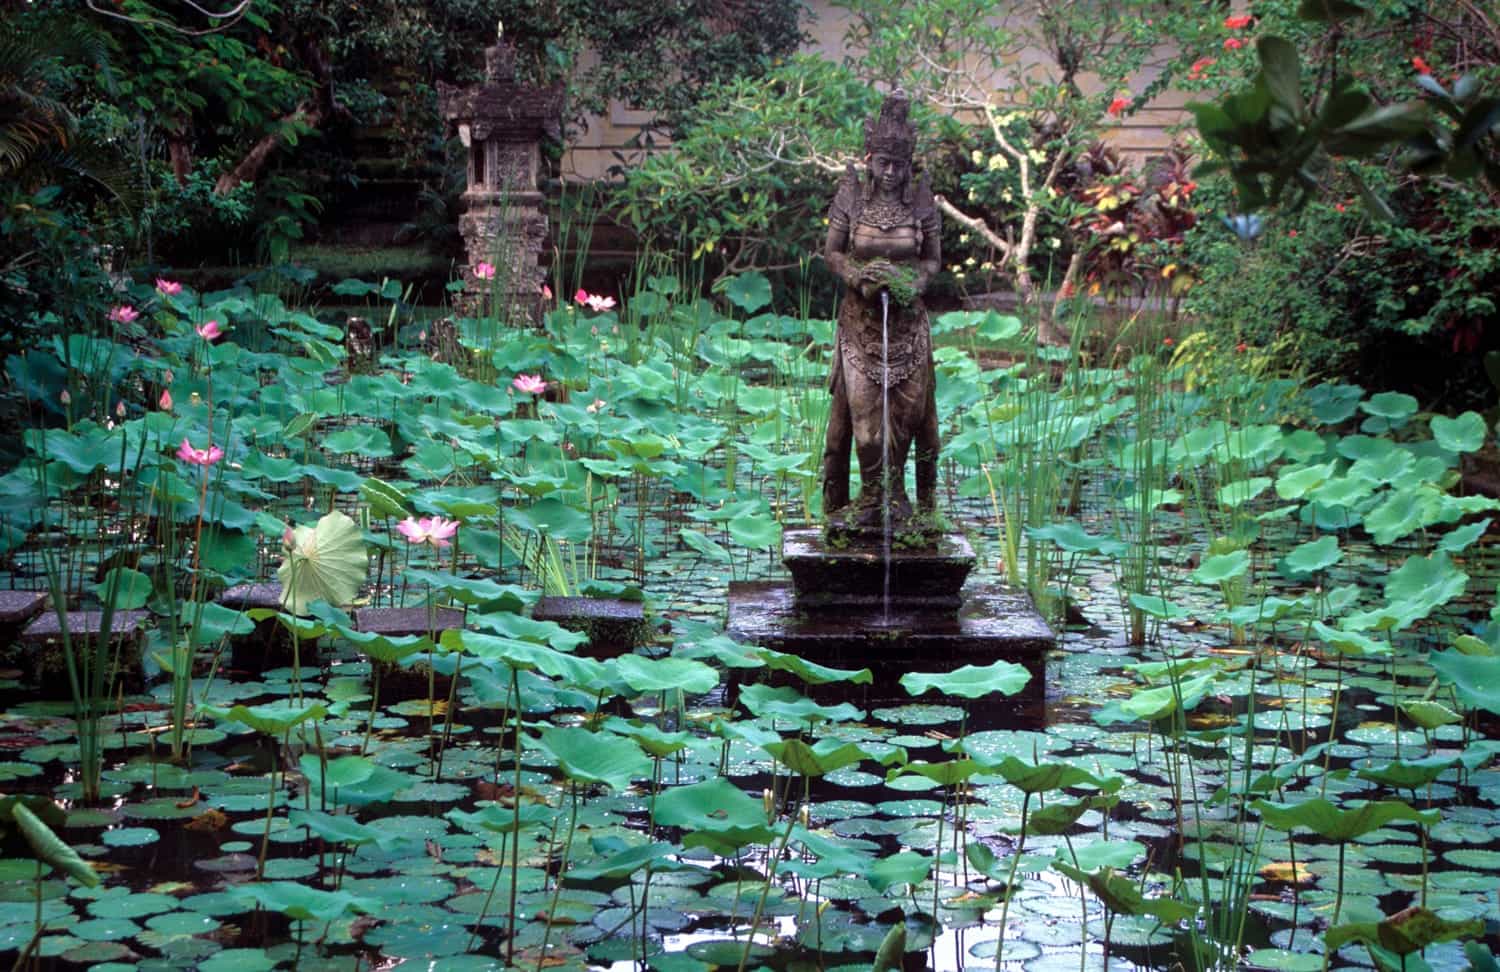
[890, 171]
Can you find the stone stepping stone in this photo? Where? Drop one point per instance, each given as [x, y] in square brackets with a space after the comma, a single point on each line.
[19, 607]
[404, 622]
[269, 645]
[614, 626]
[41, 645]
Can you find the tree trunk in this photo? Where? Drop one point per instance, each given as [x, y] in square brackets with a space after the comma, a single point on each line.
[309, 115]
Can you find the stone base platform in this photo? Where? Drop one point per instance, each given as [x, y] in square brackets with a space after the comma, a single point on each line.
[826, 575]
[993, 624]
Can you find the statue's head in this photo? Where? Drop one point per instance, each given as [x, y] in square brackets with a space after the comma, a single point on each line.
[889, 142]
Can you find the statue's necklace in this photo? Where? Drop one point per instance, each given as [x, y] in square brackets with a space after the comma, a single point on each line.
[885, 214]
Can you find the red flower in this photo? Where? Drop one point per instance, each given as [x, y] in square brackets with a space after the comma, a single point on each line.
[1167, 342]
[1233, 43]
[1422, 66]
[1338, 207]
[1238, 23]
[1195, 73]
[1242, 347]
[1292, 234]
[1117, 106]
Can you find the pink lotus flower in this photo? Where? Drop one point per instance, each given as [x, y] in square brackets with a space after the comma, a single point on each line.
[596, 407]
[546, 292]
[529, 384]
[165, 401]
[210, 331]
[199, 457]
[429, 529]
[594, 302]
[168, 288]
[484, 271]
[123, 314]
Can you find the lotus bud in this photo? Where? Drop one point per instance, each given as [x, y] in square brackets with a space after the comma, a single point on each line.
[65, 398]
[165, 401]
[769, 802]
[804, 816]
[119, 409]
[167, 378]
[288, 537]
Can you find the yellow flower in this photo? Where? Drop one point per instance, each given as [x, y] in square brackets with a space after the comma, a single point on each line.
[998, 163]
[977, 157]
[1054, 242]
[970, 262]
[1037, 156]
[1168, 270]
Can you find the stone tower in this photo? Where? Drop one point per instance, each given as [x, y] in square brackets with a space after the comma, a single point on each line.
[502, 122]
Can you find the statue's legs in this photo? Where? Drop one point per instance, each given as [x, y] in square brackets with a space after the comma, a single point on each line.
[904, 406]
[836, 445]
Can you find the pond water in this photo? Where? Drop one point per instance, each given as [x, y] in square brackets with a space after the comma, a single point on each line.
[1254, 733]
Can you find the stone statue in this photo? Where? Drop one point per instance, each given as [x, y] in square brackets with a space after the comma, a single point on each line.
[884, 243]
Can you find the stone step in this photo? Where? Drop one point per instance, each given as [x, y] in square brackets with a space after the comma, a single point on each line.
[830, 577]
[39, 650]
[614, 626]
[405, 622]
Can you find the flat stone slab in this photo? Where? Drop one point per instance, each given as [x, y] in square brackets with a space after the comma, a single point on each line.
[18, 607]
[48, 627]
[614, 625]
[243, 597]
[404, 622]
[993, 623]
[825, 576]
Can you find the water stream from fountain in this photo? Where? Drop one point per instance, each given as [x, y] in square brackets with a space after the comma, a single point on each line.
[885, 449]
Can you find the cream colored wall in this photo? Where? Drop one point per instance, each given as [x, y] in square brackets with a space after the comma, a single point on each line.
[593, 151]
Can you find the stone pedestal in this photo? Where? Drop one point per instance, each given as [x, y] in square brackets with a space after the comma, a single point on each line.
[502, 123]
[836, 611]
[614, 626]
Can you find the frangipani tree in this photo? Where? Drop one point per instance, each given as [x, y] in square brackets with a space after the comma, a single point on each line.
[751, 180]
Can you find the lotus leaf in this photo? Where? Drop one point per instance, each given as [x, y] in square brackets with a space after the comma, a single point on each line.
[784, 702]
[665, 674]
[1121, 895]
[1313, 556]
[971, 681]
[124, 588]
[1476, 678]
[1327, 820]
[325, 563]
[1219, 568]
[904, 867]
[273, 718]
[596, 757]
[301, 903]
[1404, 932]
[811, 672]
[824, 757]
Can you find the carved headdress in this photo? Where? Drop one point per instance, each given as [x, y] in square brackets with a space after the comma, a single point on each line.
[891, 133]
